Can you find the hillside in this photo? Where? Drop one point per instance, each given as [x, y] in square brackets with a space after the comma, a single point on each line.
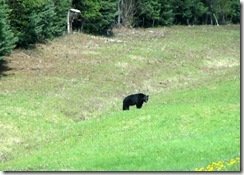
[61, 103]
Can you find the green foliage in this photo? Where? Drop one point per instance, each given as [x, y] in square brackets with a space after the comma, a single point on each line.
[40, 26]
[155, 13]
[7, 39]
[148, 13]
[186, 12]
[36, 21]
[98, 15]
[234, 15]
[108, 13]
[166, 13]
[61, 8]
[225, 10]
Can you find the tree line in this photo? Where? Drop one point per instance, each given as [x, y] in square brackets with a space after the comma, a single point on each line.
[24, 23]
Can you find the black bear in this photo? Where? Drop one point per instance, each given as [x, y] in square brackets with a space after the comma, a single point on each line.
[134, 99]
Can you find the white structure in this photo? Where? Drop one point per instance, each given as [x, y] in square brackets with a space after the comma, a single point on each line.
[72, 14]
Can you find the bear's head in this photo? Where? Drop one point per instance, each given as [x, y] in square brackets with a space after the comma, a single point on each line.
[145, 98]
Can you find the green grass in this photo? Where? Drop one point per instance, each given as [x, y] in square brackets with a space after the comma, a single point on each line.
[61, 105]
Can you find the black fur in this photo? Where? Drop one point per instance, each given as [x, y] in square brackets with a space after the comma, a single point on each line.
[134, 99]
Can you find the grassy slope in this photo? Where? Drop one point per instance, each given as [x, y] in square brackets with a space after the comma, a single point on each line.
[60, 106]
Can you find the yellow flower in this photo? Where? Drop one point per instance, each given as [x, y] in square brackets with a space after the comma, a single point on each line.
[233, 161]
[219, 165]
[210, 168]
[199, 169]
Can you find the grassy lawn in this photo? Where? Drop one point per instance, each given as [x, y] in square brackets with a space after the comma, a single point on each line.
[61, 103]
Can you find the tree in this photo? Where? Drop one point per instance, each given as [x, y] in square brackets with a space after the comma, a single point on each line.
[166, 13]
[148, 13]
[61, 8]
[127, 10]
[234, 15]
[98, 16]
[189, 12]
[108, 12]
[226, 9]
[45, 23]
[7, 39]
[37, 21]
[23, 21]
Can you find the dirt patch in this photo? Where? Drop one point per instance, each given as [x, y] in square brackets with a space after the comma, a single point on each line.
[141, 33]
[217, 64]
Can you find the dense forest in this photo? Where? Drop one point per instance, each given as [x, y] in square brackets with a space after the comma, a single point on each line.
[24, 23]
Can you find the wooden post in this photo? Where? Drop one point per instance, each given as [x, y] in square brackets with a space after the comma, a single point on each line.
[68, 22]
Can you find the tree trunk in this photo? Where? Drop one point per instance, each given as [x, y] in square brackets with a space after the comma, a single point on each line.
[216, 19]
[128, 9]
[120, 12]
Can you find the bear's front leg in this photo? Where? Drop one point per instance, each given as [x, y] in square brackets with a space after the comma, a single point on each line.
[139, 105]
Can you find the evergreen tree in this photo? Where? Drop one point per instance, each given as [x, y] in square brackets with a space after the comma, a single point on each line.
[148, 13]
[166, 13]
[61, 8]
[225, 10]
[188, 12]
[98, 16]
[22, 17]
[235, 13]
[45, 24]
[37, 21]
[108, 13]
[90, 14]
[7, 39]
